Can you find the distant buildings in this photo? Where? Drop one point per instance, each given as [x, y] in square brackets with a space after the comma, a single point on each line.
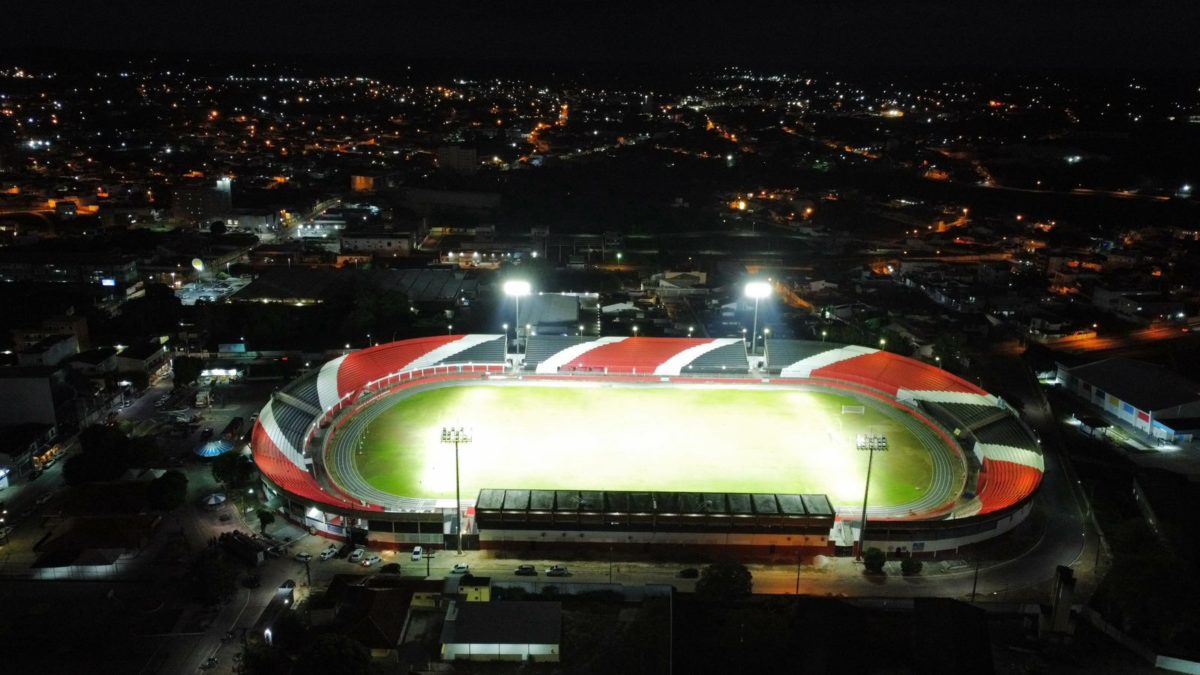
[458, 158]
[202, 205]
[1146, 397]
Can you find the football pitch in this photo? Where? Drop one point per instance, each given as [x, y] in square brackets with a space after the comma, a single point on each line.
[590, 436]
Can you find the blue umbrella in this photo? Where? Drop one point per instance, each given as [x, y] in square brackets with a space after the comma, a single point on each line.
[214, 448]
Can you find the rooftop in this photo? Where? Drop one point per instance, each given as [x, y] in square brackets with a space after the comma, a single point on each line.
[1144, 385]
[501, 622]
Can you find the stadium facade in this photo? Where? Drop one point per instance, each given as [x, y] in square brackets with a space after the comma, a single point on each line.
[295, 440]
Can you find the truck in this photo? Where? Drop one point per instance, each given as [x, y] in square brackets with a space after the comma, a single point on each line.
[233, 429]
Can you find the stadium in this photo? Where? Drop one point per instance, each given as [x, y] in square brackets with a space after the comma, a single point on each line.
[646, 444]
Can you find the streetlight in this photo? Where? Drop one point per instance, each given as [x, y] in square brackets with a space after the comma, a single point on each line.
[882, 343]
[619, 256]
[635, 330]
[824, 334]
[515, 288]
[449, 328]
[457, 435]
[757, 290]
[581, 332]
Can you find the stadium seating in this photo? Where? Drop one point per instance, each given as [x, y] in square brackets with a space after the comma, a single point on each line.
[1007, 431]
[491, 351]
[538, 348]
[729, 358]
[376, 363]
[294, 422]
[281, 471]
[890, 373]
[305, 389]
[783, 353]
[966, 416]
[635, 355]
[1002, 484]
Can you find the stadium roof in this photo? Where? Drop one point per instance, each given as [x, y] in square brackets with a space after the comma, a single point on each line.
[1144, 385]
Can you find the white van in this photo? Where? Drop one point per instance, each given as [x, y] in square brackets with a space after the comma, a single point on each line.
[417, 553]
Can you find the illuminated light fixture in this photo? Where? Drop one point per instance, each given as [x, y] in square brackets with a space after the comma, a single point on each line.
[757, 290]
[515, 288]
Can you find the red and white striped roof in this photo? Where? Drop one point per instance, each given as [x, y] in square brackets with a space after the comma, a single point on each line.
[902, 377]
[633, 355]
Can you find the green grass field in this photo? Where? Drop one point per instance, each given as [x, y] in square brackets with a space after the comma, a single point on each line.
[639, 438]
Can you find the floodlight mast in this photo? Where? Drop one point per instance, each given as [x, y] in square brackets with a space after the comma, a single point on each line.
[457, 435]
[515, 288]
[757, 290]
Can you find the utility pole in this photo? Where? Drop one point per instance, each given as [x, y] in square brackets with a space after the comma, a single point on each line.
[975, 581]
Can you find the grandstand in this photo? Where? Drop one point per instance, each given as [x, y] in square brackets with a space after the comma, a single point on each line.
[634, 355]
[305, 443]
[639, 519]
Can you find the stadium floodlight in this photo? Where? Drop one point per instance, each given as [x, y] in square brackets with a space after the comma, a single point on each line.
[456, 435]
[871, 445]
[757, 290]
[515, 288]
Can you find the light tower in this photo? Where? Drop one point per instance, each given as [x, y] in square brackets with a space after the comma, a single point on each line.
[456, 435]
[757, 290]
[515, 288]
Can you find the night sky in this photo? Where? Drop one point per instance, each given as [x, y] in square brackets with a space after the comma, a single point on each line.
[1097, 34]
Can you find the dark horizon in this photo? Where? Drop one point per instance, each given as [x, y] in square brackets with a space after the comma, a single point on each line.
[925, 35]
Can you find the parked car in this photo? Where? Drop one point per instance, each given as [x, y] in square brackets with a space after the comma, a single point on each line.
[557, 571]
[287, 585]
[417, 552]
[303, 557]
[371, 560]
[525, 571]
[358, 555]
[689, 573]
[329, 553]
[460, 568]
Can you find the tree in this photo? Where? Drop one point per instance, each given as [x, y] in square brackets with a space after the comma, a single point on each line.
[218, 227]
[167, 492]
[873, 560]
[290, 632]
[259, 658]
[187, 370]
[910, 567]
[105, 456]
[215, 577]
[333, 653]
[265, 518]
[390, 568]
[232, 469]
[725, 582]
